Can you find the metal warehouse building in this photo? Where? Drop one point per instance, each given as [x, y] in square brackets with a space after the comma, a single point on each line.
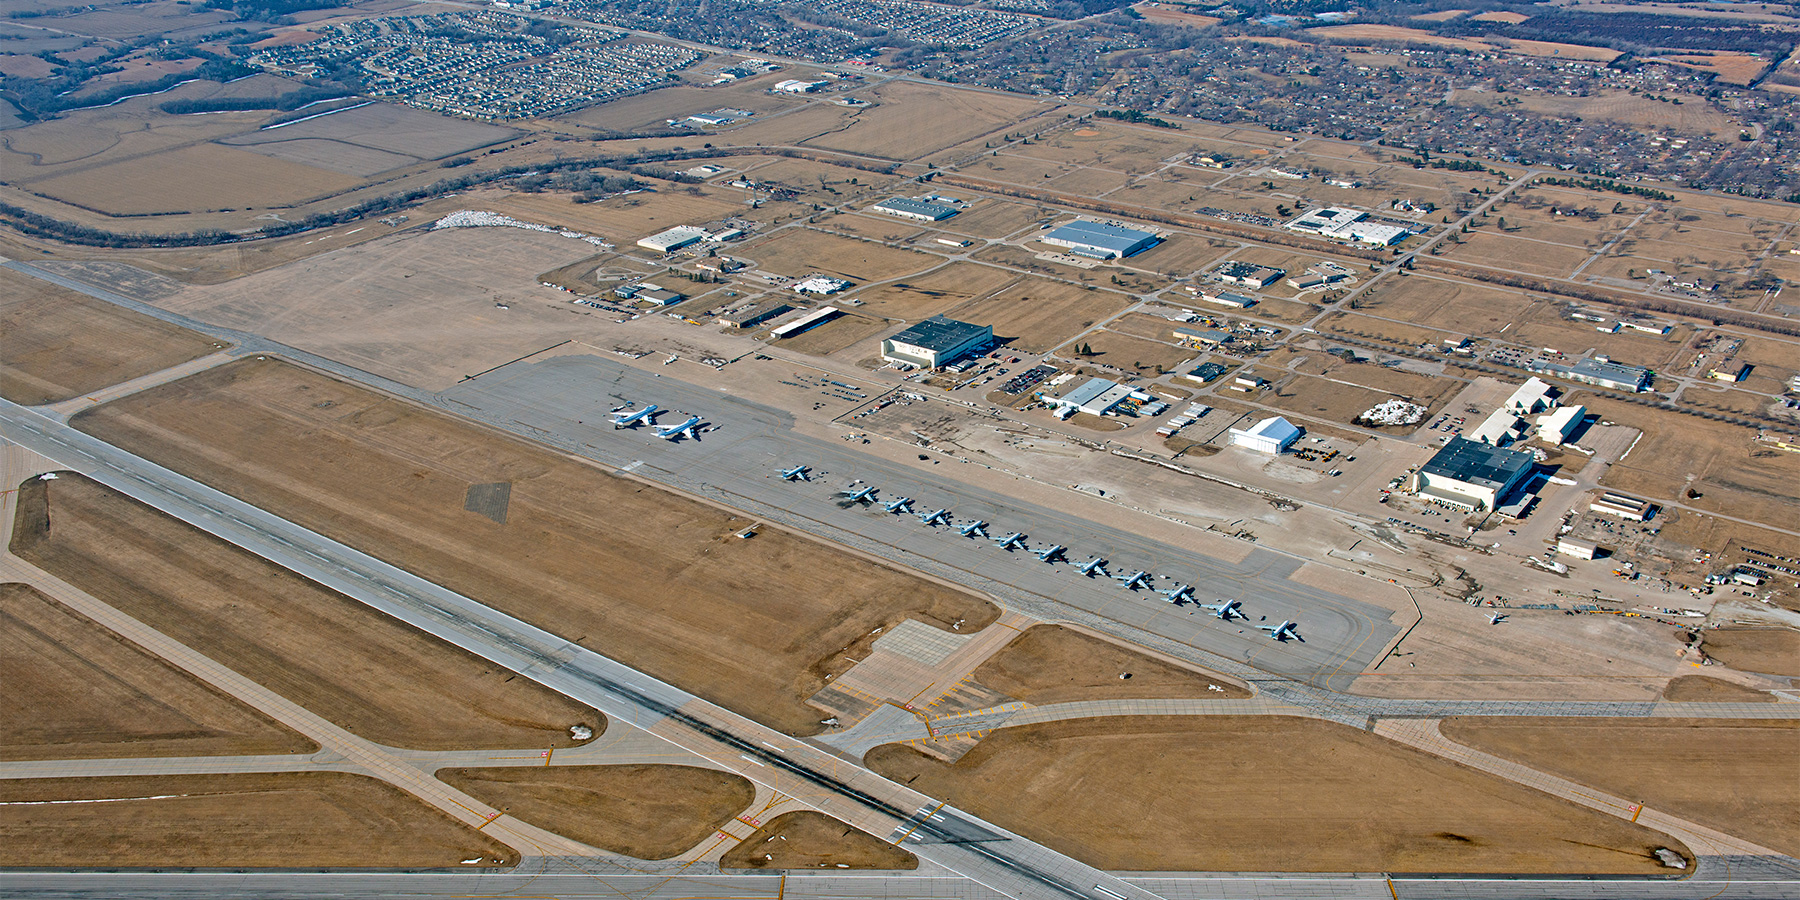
[923, 210]
[1472, 474]
[1271, 435]
[1100, 240]
[935, 342]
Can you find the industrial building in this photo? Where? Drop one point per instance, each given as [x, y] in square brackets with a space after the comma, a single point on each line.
[796, 86]
[1595, 370]
[1579, 549]
[805, 323]
[1730, 371]
[1499, 429]
[754, 315]
[1100, 240]
[1098, 397]
[1227, 299]
[1348, 225]
[674, 239]
[1624, 506]
[1205, 372]
[936, 342]
[820, 284]
[1271, 435]
[1534, 396]
[1471, 474]
[922, 210]
[1248, 274]
[1558, 425]
[1206, 337]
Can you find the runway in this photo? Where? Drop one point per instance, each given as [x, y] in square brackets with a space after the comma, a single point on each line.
[565, 401]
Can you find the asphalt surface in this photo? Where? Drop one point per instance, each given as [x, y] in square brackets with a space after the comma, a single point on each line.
[566, 400]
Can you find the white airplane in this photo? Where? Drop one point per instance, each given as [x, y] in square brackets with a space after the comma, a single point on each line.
[974, 529]
[797, 473]
[1010, 541]
[677, 432]
[902, 505]
[647, 415]
[941, 517]
[1281, 632]
[1091, 566]
[1177, 594]
[1496, 618]
[1224, 609]
[1051, 553]
[858, 495]
[1135, 580]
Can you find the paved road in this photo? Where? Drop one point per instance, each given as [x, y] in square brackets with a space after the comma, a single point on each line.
[957, 841]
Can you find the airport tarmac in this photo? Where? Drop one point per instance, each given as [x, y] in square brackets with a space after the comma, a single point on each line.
[568, 400]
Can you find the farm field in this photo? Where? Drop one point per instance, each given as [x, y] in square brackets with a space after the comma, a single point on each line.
[1052, 664]
[1304, 795]
[812, 840]
[642, 811]
[60, 344]
[197, 178]
[79, 691]
[914, 120]
[1037, 314]
[378, 678]
[288, 820]
[385, 127]
[1736, 776]
[614, 564]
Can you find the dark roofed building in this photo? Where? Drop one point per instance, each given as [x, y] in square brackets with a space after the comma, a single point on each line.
[935, 342]
[1472, 474]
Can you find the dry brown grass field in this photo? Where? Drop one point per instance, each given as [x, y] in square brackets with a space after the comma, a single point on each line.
[371, 674]
[994, 218]
[1156, 12]
[1736, 776]
[1018, 168]
[1774, 651]
[621, 220]
[1457, 307]
[60, 344]
[1051, 664]
[648, 111]
[812, 840]
[1179, 254]
[1732, 475]
[1517, 254]
[613, 564]
[798, 252]
[1544, 326]
[923, 296]
[196, 178]
[642, 811]
[876, 227]
[1131, 149]
[835, 335]
[80, 691]
[1037, 314]
[1705, 689]
[1731, 68]
[914, 120]
[286, 820]
[1303, 795]
[1337, 402]
[386, 127]
[1088, 181]
[1133, 354]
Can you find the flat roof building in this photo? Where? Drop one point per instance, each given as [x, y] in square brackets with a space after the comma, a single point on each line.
[805, 323]
[922, 210]
[1271, 435]
[1577, 548]
[821, 285]
[1625, 506]
[1534, 396]
[673, 239]
[1207, 336]
[1348, 225]
[1471, 474]
[1226, 299]
[1205, 372]
[1097, 397]
[1499, 429]
[756, 314]
[936, 342]
[1249, 274]
[1558, 425]
[1100, 240]
[1597, 370]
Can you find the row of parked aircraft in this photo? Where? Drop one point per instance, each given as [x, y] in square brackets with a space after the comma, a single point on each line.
[626, 417]
[1178, 595]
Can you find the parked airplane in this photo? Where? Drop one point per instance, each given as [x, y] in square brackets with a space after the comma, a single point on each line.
[1010, 541]
[941, 517]
[1224, 609]
[1496, 618]
[647, 415]
[902, 505]
[858, 495]
[797, 473]
[974, 529]
[676, 432]
[1281, 632]
[1091, 566]
[1177, 594]
[1135, 580]
[1051, 553]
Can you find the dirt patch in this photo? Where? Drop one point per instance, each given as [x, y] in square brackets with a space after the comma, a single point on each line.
[1733, 775]
[78, 691]
[1052, 664]
[1143, 357]
[1036, 315]
[1773, 651]
[652, 580]
[643, 811]
[371, 674]
[60, 344]
[1303, 795]
[1702, 689]
[813, 840]
[253, 820]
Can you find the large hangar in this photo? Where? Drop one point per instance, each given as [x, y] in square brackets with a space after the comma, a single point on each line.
[1101, 240]
[935, 342]
[1472, 474]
